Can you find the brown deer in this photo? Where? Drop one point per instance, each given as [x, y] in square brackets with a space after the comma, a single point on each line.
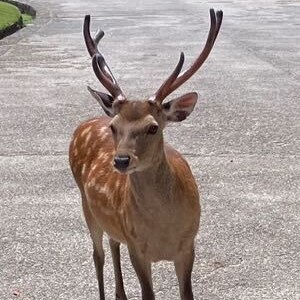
[134, 187]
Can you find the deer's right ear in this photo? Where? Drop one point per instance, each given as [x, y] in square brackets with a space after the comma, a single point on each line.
[104, 100]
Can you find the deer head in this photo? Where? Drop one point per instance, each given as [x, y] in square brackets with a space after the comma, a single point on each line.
[137, 126]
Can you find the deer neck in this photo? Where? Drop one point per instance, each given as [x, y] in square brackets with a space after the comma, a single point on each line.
[153, 184]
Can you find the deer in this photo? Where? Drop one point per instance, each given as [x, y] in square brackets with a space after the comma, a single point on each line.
[136, 188]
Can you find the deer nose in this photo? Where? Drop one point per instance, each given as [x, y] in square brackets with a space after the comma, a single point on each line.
[121, 162]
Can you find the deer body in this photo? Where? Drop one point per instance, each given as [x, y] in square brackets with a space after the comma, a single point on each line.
[134, 187]
[141, 209]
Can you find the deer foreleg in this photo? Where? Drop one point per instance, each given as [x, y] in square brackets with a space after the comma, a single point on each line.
[183, 266]
[115, 252]
[143, 270]
[98, 256]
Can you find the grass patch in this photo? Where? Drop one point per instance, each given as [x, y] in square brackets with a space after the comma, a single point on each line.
[9, 14]
[27, 19]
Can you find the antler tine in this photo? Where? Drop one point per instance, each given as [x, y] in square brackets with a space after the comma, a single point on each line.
[219, 21]
[100, 66]
[90, 44]
[112, 87]
[160, 94]
[104, 67]
[215, 24]
[98, 36]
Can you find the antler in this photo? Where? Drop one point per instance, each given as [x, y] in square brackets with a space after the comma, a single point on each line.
[175, 79]
[101, 69]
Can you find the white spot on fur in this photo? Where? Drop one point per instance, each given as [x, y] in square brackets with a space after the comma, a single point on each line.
[99, 188]
[117, 183]
[103, 130]
[92, 183]
[103, 190]
[75, 152]
[107, 191]
[85, 131]
[89, 151]
[75, 141]
[83, 169]
[101, 154]
[87, 139]
[104, 137]
[93, 121]
[105, 157]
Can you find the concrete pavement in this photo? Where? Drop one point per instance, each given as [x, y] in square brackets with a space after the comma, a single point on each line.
[242, 142]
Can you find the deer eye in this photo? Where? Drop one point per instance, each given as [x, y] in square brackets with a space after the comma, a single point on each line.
[152, 129]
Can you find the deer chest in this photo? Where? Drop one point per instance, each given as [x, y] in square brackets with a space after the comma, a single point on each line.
[162, 234]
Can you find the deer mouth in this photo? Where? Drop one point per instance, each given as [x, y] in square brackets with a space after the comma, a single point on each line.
[126, 171]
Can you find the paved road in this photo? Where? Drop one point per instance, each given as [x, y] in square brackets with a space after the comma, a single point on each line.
[242, 143]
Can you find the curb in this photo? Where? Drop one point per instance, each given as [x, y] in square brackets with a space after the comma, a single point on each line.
[24, 8]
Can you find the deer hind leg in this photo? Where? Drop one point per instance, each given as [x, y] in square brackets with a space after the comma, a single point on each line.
[115, 252]
[143, 270]
[97, 237]
[183, 266]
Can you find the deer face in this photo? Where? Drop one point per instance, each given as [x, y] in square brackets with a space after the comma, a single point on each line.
[137, 129]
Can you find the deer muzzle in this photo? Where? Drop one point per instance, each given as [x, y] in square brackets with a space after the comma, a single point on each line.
[121, 162]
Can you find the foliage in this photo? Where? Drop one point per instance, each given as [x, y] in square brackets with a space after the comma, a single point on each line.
[9, 15]
[27, 19]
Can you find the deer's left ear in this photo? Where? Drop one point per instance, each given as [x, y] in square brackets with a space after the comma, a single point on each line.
[180, 108]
